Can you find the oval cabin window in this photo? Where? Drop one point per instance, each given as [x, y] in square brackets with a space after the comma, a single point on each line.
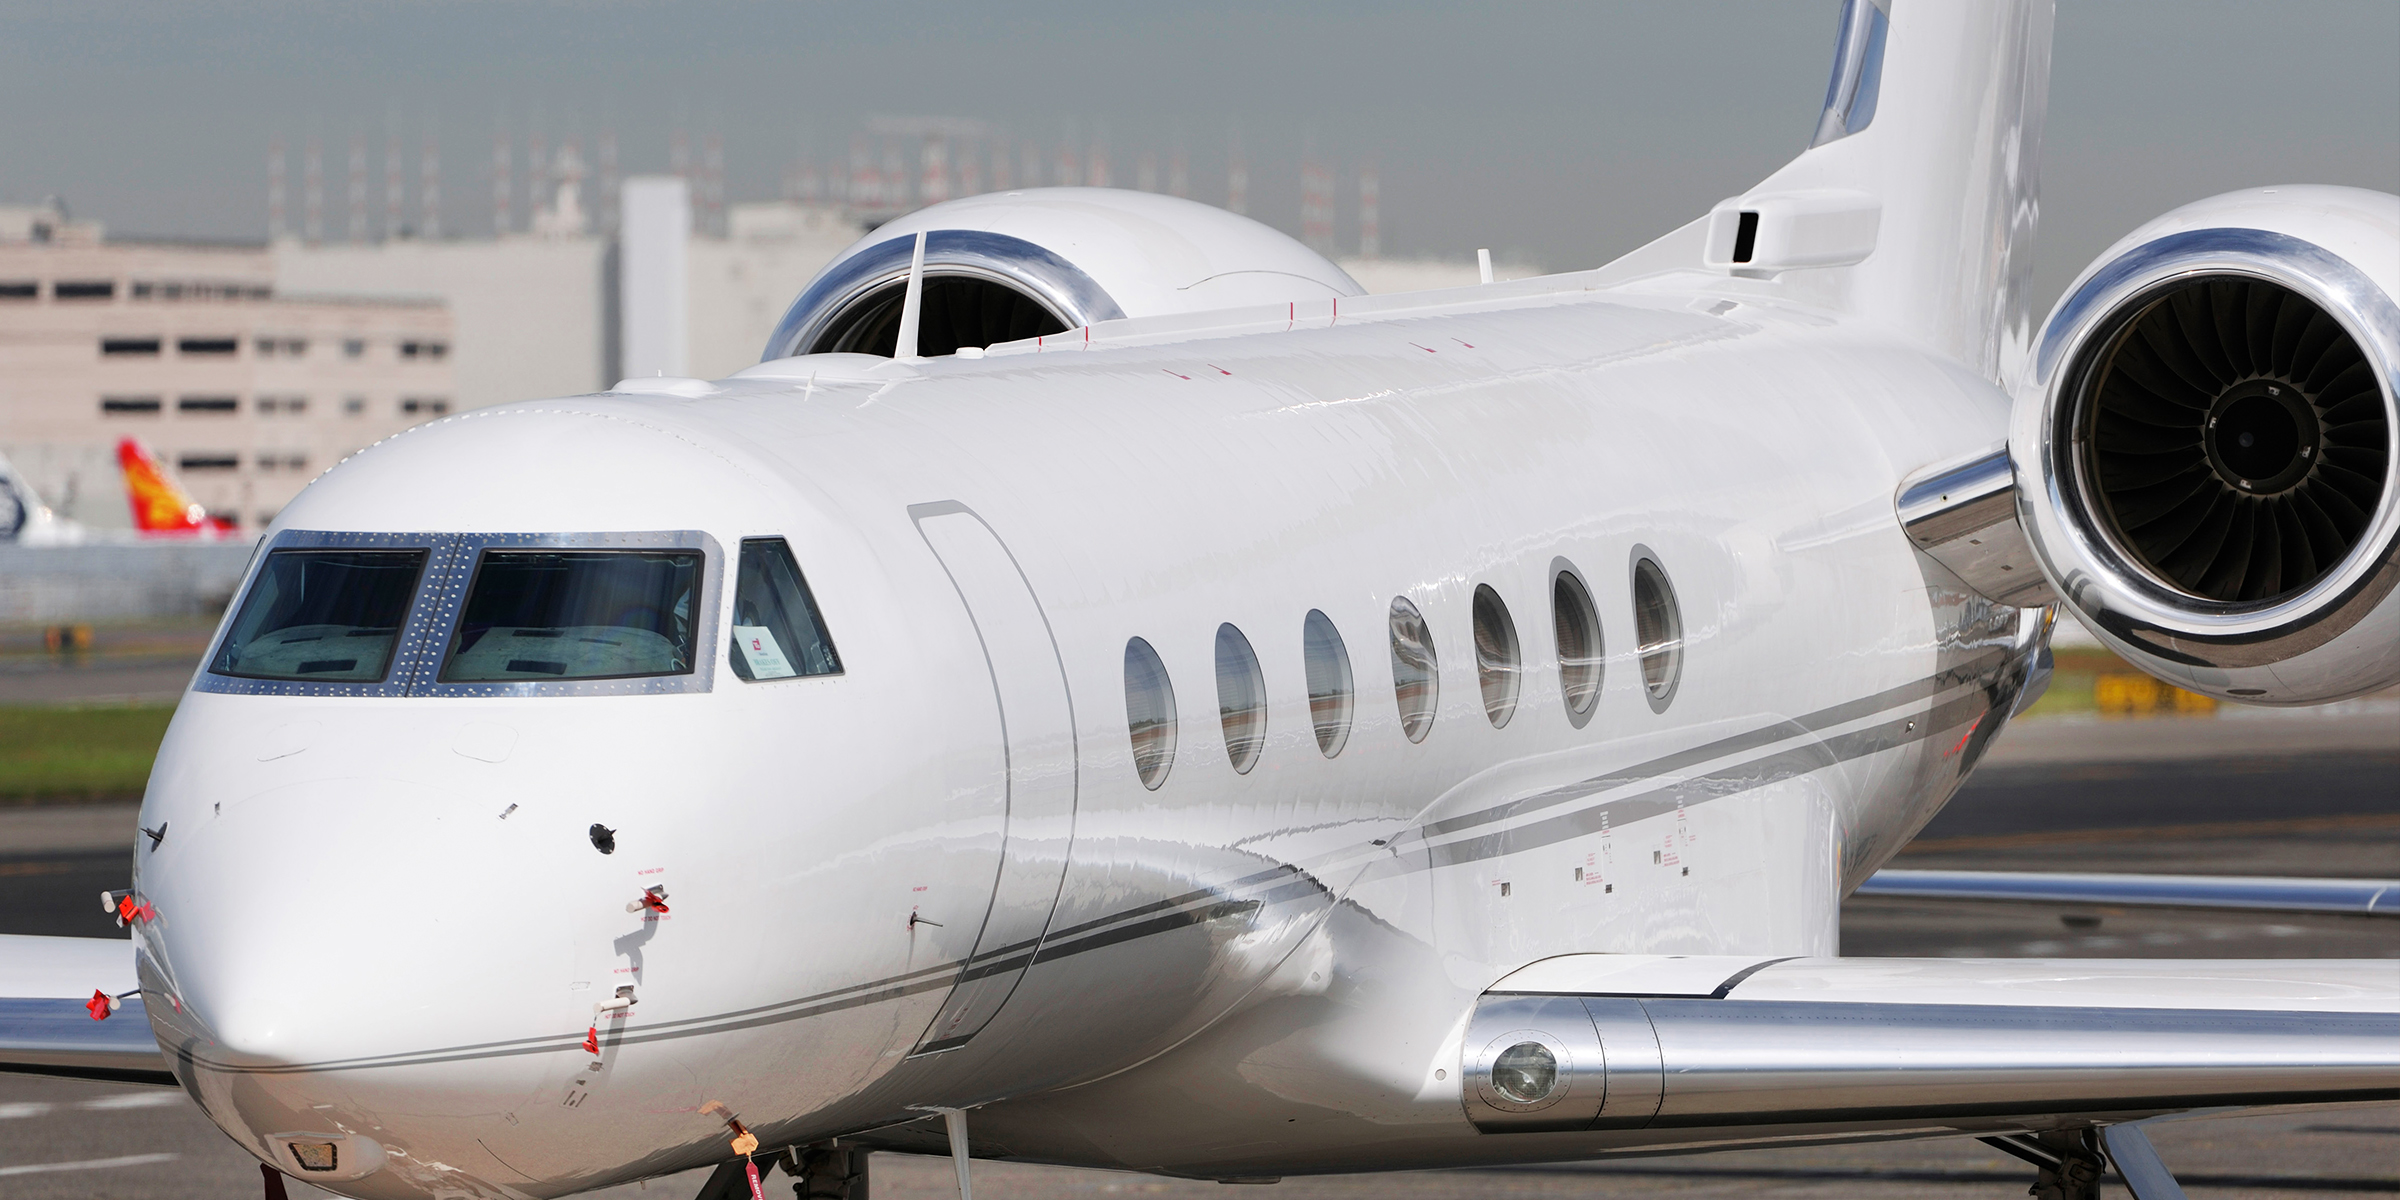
[1496, 660]
[1149, 713]
[1658, 630]
[1413, 680]
[1577, 626]
[1241, 699]
[1330, 696]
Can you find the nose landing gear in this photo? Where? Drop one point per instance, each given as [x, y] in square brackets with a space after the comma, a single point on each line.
[825, 1171]
[830, 1171]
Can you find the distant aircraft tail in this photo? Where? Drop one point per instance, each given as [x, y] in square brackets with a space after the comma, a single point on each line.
[160, 505]
[25, 520]
[1916, 200]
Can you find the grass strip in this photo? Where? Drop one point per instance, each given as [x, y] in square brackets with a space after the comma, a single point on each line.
[74, 755]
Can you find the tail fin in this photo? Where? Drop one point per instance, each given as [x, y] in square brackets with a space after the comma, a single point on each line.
[160, 505]
[1916, 201]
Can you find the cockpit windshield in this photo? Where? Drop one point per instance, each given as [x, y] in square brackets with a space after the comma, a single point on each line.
[540, 615]
[322, 616]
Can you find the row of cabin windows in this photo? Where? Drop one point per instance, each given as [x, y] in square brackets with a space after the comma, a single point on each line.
[274, 347]
[135, 406]
[1150, 713]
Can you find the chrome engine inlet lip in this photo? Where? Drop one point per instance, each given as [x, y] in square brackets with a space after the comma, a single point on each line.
[2105, 584]
[1053, 282]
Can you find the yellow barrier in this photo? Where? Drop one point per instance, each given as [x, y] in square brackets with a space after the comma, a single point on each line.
[2124, 694]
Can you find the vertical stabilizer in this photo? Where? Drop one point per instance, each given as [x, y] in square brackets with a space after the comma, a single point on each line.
[161, 508]
[1915, 203]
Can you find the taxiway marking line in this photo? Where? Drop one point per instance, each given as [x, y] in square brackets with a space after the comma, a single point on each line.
[89, 1164]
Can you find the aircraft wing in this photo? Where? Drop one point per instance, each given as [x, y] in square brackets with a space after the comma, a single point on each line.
[1925, 1045]
[47, 1026]
[2341, 897]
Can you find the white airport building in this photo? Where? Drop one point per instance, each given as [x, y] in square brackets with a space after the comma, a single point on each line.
[251, 367]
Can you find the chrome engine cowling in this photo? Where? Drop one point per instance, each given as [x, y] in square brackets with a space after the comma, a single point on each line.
[1011, 265]
[2204, 452]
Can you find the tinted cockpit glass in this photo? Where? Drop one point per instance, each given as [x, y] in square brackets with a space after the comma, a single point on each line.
[538, 615]
[776, 631]
[322, 616]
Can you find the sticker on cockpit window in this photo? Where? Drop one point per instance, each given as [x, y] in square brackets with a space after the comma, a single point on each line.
[758, 648]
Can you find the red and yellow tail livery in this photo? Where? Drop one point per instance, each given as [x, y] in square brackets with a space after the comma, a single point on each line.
[161, 508]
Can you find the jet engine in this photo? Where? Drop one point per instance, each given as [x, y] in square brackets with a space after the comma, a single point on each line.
[2203, 454]
[1011, 265]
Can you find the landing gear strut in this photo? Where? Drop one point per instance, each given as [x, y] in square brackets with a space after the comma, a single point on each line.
[2071, 1161]
[830, 1171]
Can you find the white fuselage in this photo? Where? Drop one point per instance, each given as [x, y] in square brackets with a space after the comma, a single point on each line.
[382, 916]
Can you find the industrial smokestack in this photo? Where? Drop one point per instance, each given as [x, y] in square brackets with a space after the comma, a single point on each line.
[537, 173]
[894, 178]
[1068, 171]
[970, 169]
[1237, 179]
[503, 177]
[358, 187]
[609, 198]
[933, 183]
[1370, 213]
[312, 193]
[654, 280]
[395, 182]
[1316, 204]
[712, 180]
[1179, 173]
[429, 187]
[275, 188]
[862, 189]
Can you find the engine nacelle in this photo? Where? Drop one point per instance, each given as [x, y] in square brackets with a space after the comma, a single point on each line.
[1011, 265]
[2204, 457]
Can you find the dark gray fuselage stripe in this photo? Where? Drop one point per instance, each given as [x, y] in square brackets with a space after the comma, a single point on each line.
[1280, 886]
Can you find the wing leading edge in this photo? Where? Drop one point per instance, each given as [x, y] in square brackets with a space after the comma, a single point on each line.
[46, 1024]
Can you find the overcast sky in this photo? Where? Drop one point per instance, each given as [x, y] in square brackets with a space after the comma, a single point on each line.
[1566, 133]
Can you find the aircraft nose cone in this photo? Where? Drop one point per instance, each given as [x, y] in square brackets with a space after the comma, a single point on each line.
[335, 956]
[323, 922]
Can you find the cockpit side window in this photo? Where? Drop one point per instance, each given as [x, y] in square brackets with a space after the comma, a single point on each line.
[541, 615]
[322, 616]
[777, 633]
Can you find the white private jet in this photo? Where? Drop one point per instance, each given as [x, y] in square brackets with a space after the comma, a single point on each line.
[1105, 692]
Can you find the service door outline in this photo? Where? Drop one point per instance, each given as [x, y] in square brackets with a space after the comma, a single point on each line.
[1037, 724]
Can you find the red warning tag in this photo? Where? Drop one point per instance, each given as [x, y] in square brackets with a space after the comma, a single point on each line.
[99, 1005]
[756, 1192]
[591, 1040]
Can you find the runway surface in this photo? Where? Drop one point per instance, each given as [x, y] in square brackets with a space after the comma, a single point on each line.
[2295, 795]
